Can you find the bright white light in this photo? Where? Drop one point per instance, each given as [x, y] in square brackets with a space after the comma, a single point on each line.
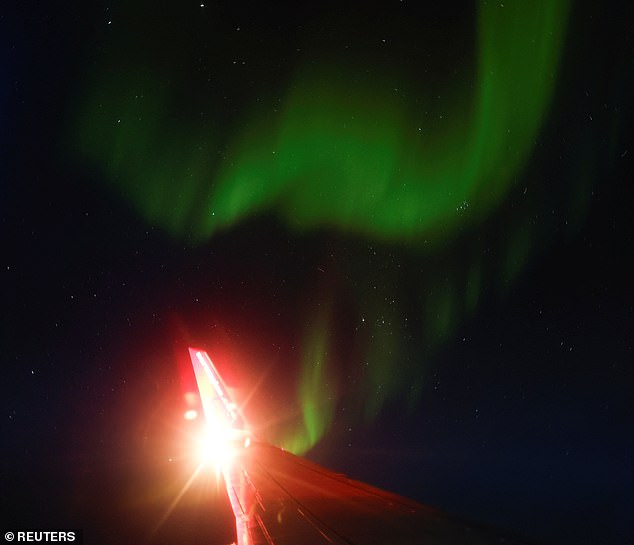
[190, 414]
[214, 447]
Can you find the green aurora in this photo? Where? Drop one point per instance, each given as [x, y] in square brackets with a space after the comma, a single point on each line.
[347, 153]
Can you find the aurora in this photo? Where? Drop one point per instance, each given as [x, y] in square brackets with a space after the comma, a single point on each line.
[345, 152]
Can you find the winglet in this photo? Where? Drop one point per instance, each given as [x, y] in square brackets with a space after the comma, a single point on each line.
[219, 409]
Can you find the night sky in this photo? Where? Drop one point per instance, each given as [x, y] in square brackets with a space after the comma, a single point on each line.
[402, 231]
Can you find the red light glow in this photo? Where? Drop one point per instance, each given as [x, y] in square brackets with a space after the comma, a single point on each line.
[216, 443]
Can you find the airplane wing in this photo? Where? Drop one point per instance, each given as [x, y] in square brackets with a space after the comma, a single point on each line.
[278, 498]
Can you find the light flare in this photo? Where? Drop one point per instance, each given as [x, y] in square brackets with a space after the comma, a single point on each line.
[191, 414]
[216, 445]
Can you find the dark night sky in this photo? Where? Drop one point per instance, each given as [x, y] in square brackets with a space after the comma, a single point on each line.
[480, 362]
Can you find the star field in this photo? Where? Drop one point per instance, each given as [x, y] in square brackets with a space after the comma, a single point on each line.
[403, 230]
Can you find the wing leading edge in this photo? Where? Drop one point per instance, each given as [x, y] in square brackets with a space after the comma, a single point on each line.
[281, 499]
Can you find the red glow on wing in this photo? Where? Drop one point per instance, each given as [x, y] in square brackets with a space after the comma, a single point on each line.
[216, 444]
[217, 405]
[222, 439]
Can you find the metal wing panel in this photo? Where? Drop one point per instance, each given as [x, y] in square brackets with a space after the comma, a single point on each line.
[282, 499]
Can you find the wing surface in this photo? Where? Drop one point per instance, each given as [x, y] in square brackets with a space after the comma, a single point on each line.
[281, 499]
